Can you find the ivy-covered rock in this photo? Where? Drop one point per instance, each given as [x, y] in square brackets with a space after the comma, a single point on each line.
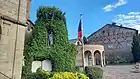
[59, 51]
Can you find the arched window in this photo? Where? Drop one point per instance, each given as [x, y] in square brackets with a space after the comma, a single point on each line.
[50, 37]
[88, 58]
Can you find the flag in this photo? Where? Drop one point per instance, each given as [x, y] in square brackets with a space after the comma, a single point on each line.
[80, 31]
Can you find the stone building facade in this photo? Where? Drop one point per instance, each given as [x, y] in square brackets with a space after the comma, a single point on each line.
[91, 55]
[14, 20]
[116, 40]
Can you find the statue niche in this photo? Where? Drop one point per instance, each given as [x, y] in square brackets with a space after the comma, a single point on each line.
[50, 37]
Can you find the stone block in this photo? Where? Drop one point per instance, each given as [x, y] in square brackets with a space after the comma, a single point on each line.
[3, 77]
[47, 65]
[20, 38]
[10, 8]
[12, 38]
[18, 64]
[4, 39]
[36, 65]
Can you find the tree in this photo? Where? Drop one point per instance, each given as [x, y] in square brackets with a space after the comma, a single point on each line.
[85, 40]
[136, 48]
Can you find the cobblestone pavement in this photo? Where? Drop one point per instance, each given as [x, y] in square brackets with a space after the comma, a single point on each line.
[120, 72]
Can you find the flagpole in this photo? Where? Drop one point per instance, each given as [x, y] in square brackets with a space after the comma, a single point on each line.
[82, 43]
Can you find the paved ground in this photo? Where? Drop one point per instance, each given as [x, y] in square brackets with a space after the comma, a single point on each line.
[120, 72]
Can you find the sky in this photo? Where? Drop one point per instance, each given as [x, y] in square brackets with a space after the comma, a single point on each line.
[96, 13]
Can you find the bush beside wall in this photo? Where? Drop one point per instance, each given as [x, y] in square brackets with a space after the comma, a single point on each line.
[57, 75]
[94, 72]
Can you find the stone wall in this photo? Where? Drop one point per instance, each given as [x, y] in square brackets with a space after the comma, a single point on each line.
[12, 33]
[11, 49]
[11, 7]
[92, 49]
[117, 41]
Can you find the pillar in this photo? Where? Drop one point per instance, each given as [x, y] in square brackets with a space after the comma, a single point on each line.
[93, 58]
[104, 58]
[102, 64]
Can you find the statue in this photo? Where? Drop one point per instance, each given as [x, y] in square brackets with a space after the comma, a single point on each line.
[50, 37]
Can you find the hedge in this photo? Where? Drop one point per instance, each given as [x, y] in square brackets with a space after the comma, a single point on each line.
[57, 75]
[94, 72]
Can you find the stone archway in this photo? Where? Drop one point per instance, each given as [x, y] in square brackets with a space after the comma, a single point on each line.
[97, 57]
[88, 58]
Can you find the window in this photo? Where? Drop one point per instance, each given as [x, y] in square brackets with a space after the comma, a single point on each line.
[50, 37]
[103, 31]
[108, 33]
[113, 32]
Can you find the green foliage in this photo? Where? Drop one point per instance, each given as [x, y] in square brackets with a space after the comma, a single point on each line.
[82, 76]
[94, 72]
[77, 69]
[40, 75]
[85, 40]
[136, 48]
[57, 75]
[68, 75]
[61, 53]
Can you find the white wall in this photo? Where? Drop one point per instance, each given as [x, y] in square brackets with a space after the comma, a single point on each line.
[36, 65]
[46, 65]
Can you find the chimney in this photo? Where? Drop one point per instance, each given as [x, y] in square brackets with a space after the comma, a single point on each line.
[121, 25]
[113, 23]
[28, 9]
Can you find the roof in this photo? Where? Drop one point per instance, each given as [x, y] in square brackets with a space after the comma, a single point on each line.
[114, 25]
[72, 40]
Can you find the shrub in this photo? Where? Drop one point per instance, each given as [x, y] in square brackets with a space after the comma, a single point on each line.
[57, 75]
[94, 72]
[69, 75]
[82, 76]
[76, 69]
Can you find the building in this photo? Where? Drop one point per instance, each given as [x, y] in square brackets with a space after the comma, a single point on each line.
[117, 41]
[91, 55]
[14, 22]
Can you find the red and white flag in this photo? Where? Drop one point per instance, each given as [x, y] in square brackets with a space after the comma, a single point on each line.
[80, 33]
